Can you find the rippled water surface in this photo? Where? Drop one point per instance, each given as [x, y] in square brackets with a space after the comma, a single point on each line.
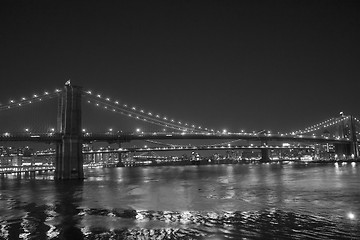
[186, 202]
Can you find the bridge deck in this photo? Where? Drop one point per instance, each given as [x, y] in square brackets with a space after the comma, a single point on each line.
[173, 136]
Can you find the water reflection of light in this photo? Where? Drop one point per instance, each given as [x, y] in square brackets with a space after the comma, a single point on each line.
[97, 179]
[168, 216]
[4, 232]
[246, 215]
[26, 225]
[213, 215]
[229, 194]
[351, 216]
[336, 165]
[185, 217]
[140, 215]
[52, 232]
[85, 230]
[230, 173]
[353, 164]
[229, 214]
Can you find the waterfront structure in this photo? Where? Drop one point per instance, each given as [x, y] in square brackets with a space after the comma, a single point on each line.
[69, 136]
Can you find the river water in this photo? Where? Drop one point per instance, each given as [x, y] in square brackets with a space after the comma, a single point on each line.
[268, 201]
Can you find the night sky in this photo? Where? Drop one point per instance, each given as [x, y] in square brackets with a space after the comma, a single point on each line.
[278, 65]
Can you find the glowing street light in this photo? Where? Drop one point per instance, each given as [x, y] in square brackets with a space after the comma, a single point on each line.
[138, 130]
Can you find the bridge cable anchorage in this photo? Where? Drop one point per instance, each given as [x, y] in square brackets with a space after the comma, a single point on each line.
[321, 125]
[146, 116]
[30, 100]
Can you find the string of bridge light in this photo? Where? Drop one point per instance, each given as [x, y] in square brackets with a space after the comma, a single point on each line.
[357, 126]
[131, 114]
[29, 100]
[127, 112]
[357, 120]
[163, 121]
[327, 123]
[137, 116]
[149, 115]
[311, 128]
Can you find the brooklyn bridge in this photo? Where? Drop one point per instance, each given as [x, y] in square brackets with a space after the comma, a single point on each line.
[69, 136]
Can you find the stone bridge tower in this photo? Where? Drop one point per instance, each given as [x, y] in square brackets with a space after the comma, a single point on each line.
[69, 158]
